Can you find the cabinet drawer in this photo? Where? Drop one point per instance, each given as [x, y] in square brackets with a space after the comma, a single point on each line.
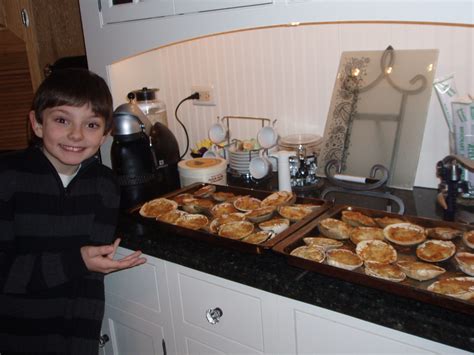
[241, 318]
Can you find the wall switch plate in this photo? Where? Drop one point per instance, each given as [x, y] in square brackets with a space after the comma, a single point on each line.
[206, 95]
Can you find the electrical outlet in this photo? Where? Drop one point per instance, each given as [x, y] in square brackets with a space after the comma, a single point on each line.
[206, 95]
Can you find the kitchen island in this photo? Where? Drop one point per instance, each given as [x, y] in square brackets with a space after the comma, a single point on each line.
[270, 273]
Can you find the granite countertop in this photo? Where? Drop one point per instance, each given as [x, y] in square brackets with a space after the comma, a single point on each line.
[270, 272]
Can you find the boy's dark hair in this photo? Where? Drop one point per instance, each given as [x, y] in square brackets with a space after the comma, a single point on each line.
[74, 87]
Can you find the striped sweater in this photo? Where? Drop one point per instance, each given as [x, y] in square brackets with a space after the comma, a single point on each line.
[49, 301]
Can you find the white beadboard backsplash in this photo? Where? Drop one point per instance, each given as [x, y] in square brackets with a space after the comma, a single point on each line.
[287, 73]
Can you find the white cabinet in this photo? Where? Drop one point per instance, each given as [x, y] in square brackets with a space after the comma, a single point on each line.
[130, 10]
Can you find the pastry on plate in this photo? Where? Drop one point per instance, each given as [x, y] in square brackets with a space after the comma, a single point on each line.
[468, 238]
[260, 214]
[279, 198]
[205, 191]
[310, 253]
[259, 237]
[222, 196]
[434, 250]
[465, 262]
[459, 287]
[247, 203]
[276, 225]
[359, 234]
[405, 234]
[357, 219]
[294, 213]
[154, 208]
[323, 243]
[236, 230]
[344, 259]
[443, 233]
[419, 270]
[382, 222]
[192, 221]
[377, 251]
[334, 228]
[171, 216]
[218, 221]
[390, 272]
[223, 208]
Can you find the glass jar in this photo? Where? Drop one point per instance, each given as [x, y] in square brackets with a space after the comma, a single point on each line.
[152, 107]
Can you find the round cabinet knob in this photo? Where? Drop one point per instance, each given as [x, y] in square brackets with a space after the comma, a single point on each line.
[104, 338]
[214, 315]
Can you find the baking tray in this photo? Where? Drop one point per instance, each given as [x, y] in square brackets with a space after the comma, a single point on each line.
[208, 237]
[407, 288]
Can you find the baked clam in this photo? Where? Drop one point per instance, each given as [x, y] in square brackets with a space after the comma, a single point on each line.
[236, 230]
[309, 252]
[356, 219]
[344, 259]
[468, 238]
[443, 233]
[197, 205]
[419, 270]
[222, 196]
[434, 251]
[223, 208]
[260, 214]
[359, 234]
[276, 225]
[192, 221]
[465, 262]
[382, 222]
[231, 217]
[334, 228]
[154, 208]
[376, 251]
[205, 191]
[404, 234]
[294, 213]
[390, 272]
[179, 199]
[459, 287]
[259, 237]
[279, 198]
[323, 243]
[247, 203]
[171, 216]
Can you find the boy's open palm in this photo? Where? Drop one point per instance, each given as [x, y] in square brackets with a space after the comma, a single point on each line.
[100, 258]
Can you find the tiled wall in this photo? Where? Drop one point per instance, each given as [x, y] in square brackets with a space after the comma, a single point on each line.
[288, 74]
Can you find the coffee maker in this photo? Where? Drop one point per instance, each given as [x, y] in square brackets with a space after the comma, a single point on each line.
[144, 156]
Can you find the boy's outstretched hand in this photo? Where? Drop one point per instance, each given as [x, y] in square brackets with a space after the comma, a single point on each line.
[101, 258]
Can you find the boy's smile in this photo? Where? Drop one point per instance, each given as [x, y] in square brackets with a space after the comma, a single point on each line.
[70, 135]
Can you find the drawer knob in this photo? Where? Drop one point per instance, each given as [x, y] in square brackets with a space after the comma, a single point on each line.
[214, 315]
[104, 338]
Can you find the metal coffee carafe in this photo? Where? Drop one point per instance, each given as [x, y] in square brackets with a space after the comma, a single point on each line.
[145, 156]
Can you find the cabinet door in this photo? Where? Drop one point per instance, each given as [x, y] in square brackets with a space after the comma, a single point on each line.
[129, 10]
[247, 319]
[187, 6]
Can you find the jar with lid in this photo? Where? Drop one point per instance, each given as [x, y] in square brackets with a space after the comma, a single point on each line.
[152, 107]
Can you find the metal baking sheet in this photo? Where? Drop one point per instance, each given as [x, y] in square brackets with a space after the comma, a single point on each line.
[409, 287]
[208, 237]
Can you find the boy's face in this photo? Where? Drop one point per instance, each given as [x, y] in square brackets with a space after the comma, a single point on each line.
[70, 135]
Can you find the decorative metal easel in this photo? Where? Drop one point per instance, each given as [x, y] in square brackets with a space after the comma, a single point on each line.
[352, 84]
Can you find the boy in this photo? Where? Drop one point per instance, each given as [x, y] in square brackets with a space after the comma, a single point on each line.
[58, 211]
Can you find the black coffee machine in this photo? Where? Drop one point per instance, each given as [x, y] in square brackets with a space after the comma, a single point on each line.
[144, 156]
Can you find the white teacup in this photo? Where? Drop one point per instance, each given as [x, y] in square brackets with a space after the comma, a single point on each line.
[260, 167]
[217, 133]
[267, 137]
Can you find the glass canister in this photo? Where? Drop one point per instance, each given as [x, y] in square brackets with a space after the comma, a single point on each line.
[152, 107]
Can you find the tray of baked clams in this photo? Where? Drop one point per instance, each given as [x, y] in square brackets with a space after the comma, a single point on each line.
[244, 219]
[425, 259]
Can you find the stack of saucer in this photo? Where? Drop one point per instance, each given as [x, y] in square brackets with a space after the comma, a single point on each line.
[239, 160]
[311, 142]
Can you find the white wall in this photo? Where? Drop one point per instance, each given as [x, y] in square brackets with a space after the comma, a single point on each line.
[288, 73]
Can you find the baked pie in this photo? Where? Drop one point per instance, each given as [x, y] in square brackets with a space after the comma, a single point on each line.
[443, 233]
[171, 216]
[279, 198]
[468, 238]
[419, 270]
[259, 237]
[192, 221]
[382, 222]
[390, 272]
[205, 191]
[309, 252]
[334, 228]
[276, 225]
[434, 251]
[344, 259]
[323, 243]
[359, 234]
[377, 251]
[459, 287]
[236, 230]
[223, 196]
[232, 217]
[223, 208]
[294, 213]
[466, 262]
[154, 208]
[404, 234]
[357, 219]
[260, 214]
[247, 203]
